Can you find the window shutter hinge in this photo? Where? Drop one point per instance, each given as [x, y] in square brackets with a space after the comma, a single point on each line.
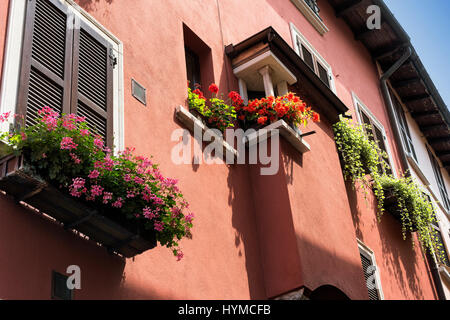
[113, 58]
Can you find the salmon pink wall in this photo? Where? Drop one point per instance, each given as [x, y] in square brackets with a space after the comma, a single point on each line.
[230, 256]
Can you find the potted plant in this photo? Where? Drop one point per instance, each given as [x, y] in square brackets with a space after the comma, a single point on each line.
[290, 108]
[128, 189]
[361, 158]
[213, 112]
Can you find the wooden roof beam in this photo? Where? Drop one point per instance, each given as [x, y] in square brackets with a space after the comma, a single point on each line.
[406, 82]
[342, 10]
[416, 98]
[438, 140]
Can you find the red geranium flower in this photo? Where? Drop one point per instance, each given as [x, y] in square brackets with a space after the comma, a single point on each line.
[316, 117]
[262, 120]
[213, 88]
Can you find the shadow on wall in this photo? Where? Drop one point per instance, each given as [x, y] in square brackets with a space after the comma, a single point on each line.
[32, 245]
[240, 193]
[328, 274]
[398, 256]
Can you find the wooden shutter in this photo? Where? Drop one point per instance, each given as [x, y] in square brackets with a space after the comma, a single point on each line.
[366, 263]
[45, 78]
[404, 128]
[307, 56]
[377, 136]
[439, 180]
[323, 74]
[92, 88]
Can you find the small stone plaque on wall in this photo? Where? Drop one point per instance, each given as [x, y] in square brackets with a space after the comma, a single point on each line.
[139, 92]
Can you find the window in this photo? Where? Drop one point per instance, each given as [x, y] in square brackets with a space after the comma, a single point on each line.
[58, 55]
[199, 65]
[406, 135]
[441, 256]
[192, 68]
[375, 133]
[312, 58]
[60, 291]
[310, 10]
[67, 65]
[370, 272]
[314, 7]
[440, 181]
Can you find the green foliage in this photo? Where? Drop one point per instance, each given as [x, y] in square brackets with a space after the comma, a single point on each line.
[363, 164]
[416, 211]
[215, 111]
[362, 159]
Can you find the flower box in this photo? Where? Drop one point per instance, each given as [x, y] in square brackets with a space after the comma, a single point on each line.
[285, 130]
[107, 228]
[193, 123]
[391, 206]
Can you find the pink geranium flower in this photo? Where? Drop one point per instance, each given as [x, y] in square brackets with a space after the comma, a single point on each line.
[68, 144]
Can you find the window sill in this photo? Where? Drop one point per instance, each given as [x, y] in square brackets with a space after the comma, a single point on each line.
[311, 16]
[193, 124]
[285, 131]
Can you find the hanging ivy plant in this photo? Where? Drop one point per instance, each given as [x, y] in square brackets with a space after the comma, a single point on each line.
[361, 156]
[363, 164]
[413, 208]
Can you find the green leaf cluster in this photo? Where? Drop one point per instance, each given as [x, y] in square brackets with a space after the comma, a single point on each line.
[363, 164]
[217, 113]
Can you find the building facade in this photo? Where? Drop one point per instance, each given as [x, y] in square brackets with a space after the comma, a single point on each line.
[302, 233]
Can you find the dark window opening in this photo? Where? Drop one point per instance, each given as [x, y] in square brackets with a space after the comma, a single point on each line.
[307, 56]
[323, 74]
[192, 68]
[255, 94]
[60, 290]
[199, 64]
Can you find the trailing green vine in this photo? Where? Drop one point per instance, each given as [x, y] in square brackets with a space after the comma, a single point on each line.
[363, 165]
[362, 158]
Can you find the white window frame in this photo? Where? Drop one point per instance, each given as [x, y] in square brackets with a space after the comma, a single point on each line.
[12, 65]
[369, 254]
[359, 105]
[317, 58]
[311, 16]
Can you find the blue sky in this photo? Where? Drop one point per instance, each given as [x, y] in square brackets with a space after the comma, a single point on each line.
[428, 24]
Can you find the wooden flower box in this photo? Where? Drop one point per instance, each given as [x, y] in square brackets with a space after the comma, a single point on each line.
[193, 121]
[110, 229]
